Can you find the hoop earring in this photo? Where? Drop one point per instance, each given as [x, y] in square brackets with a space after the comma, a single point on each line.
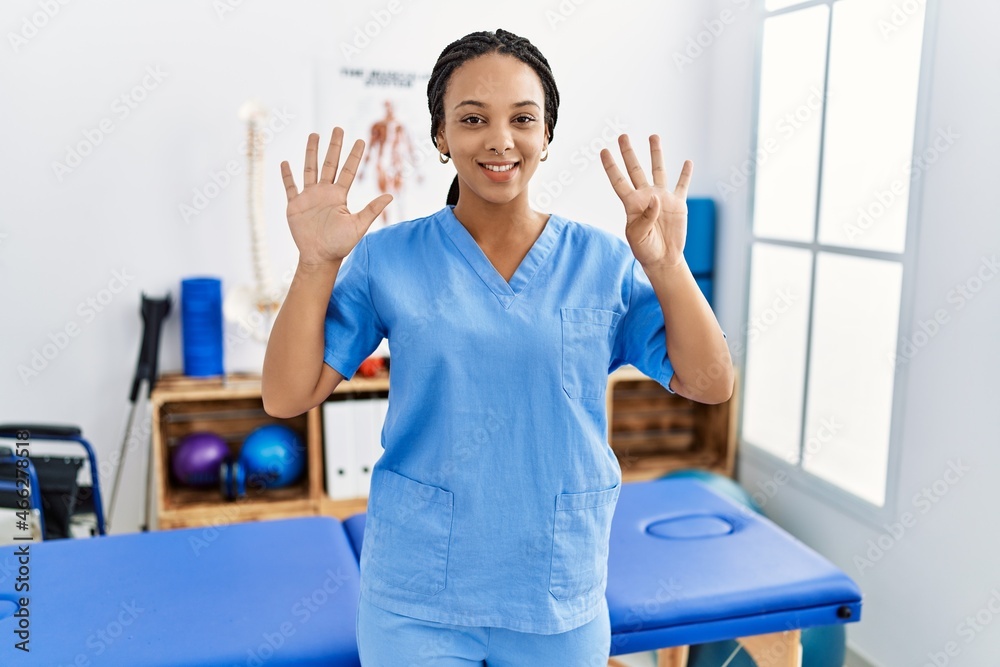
[443, 159]
[546, 155]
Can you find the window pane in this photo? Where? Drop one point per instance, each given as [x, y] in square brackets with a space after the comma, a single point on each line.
[771, 5]
[851, 372]
[788, 125]
[776, 349]
[871, 110]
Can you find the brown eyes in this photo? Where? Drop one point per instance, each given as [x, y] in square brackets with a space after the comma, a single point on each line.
[520, 120]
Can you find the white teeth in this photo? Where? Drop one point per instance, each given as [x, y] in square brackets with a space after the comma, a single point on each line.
[495, 168]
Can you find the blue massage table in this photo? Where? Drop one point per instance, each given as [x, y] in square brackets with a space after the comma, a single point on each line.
[686, 565]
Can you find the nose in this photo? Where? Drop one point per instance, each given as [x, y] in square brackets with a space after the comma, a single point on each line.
[500, 140]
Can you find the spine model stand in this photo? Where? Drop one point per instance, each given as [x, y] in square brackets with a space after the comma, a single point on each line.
[252, 309]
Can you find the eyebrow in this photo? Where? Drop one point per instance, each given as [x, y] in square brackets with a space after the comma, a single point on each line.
[476, 103]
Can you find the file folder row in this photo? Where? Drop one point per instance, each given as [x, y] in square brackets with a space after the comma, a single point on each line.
[352, 443]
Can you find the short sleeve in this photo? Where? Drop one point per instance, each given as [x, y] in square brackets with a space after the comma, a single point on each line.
[352, 329]
[641, 340]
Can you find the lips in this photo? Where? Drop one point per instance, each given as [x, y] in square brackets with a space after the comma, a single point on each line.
[501, 171]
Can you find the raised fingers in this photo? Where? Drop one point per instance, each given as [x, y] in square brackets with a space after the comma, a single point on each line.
[332, 156]
[684, 180]
[309, 174]
[618, 181]
[656, 158]
[374, 208]
[351, 165]
[286, 177]
[632, 165]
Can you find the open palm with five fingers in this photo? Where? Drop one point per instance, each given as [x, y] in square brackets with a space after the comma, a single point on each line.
[655, 217]
[323, 229]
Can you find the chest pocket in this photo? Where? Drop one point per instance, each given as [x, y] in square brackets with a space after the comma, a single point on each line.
[410, 524]
[586, 350]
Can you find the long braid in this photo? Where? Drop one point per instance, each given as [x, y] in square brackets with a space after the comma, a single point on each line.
[477, 44]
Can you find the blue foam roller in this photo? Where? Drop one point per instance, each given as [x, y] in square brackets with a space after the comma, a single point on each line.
[699, 247]
[201, 326]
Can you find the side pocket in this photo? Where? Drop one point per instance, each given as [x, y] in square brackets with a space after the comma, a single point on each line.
[580, 536]
[586, 350]
[411, 533]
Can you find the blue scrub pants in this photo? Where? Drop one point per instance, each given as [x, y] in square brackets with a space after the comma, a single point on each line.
[387, 639]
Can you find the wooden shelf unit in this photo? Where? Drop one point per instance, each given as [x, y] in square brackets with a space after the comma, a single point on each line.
[651, 431]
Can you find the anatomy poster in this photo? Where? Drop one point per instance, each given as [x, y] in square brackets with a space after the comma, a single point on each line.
[388, 109]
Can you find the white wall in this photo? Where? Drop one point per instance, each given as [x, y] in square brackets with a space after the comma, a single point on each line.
[62, 240]
[943, 569]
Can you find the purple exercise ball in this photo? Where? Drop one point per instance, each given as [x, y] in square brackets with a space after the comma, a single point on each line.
[197, 457]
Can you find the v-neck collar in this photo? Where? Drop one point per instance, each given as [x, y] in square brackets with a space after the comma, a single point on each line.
[505, 291]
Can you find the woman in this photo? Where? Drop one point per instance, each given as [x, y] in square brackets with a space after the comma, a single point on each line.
[490, 509]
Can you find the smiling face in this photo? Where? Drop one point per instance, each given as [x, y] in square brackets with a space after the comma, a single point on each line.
[497, 102]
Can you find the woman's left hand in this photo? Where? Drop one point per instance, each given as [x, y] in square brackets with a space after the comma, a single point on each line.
[655, 218]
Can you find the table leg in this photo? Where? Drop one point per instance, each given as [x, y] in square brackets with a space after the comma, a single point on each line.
[778, 649]
[675, 656]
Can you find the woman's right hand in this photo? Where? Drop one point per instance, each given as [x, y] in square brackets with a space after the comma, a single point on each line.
[323, 229]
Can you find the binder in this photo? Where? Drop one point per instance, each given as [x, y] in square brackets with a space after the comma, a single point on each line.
[340, 450]
[364, 448]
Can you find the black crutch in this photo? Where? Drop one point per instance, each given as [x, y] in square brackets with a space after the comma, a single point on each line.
[154, 312]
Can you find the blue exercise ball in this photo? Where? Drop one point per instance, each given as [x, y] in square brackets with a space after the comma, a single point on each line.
[273, 456]
[822, 646]
[720, 483]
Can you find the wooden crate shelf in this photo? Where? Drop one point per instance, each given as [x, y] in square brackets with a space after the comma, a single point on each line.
[232, 407]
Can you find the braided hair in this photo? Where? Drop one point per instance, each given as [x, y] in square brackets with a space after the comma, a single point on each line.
[478, 44]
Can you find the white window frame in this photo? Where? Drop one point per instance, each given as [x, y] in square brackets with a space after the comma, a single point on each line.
[794, 474]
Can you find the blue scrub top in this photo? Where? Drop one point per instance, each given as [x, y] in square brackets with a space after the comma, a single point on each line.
[492, 502]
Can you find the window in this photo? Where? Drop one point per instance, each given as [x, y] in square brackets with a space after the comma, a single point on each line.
[836, 120]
